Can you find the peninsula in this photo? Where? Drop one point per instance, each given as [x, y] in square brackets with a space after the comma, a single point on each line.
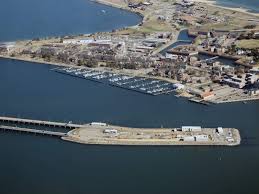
[217, 63]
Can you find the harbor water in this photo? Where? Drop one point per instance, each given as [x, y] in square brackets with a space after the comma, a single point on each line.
[40, 164]
[31, 90]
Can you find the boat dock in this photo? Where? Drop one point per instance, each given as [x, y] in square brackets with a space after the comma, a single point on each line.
[33, 131]
[68, 125]
[138, 84]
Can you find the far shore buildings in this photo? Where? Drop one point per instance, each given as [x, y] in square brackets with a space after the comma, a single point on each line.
[7, 46]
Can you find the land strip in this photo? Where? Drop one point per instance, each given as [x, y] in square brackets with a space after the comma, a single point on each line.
[135, 50]
[105, 134]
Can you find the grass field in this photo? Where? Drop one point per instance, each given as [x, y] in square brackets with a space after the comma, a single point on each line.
[248, 44]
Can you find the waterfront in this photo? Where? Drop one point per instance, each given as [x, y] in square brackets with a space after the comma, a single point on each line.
[49, 95]
[32, 164]
[251, 5]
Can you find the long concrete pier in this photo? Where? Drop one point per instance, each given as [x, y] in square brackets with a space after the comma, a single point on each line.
[40, 122]
[34, 131]
[105, 134]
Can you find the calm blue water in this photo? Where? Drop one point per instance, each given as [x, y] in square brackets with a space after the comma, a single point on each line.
[42, 165]
[27, 19]
[251, 5]
[50, 165]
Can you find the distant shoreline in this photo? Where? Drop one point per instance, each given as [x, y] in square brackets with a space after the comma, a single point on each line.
[214, 4]
[209, 2]
[118, 6]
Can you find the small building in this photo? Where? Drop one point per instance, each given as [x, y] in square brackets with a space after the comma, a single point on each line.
[234, 82]
[178, 86]
[188, 138]
[147, 3]
[191, 128]
[185, 138]
[171, 56]
[253, 92]
[110, 131]
[7, 46]
[256, 35]
[201, 137]
[219, 130]
[98, 124]
[207, 95]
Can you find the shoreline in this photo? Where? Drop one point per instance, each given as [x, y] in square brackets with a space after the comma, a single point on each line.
[139, 72]
[125, 8]
[236, 100]
[139, 143]
[119, 71]
[214, 4]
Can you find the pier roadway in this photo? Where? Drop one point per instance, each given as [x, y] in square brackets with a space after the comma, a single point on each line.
[39, 122]
[104, 134]
[118, 135]
[34, 131]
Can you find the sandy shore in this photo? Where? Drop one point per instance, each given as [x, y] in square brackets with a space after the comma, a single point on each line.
[214, 3]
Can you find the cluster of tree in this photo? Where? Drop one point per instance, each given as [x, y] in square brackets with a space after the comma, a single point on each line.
[255, 54]
[243, 36]
[252, 26]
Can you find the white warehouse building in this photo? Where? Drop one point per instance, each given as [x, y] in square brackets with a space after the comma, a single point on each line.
[201, 138]
[191, 128]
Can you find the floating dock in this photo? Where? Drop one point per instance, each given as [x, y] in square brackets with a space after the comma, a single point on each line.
[138, 84]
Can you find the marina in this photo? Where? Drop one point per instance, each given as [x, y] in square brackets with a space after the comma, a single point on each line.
[122, 108]
[138, 84]
[34, 163]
